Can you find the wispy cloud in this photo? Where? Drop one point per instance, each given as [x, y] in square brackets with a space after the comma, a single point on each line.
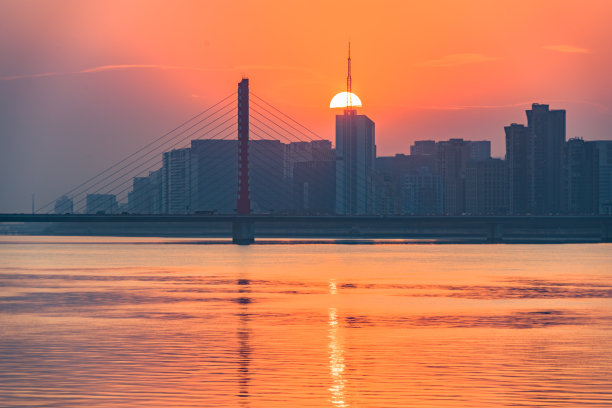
[103, 68]
[567, 48]
[132, 66]
[456, 59]
[14, 77]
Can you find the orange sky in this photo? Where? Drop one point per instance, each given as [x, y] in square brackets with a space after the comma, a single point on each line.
[107, 76]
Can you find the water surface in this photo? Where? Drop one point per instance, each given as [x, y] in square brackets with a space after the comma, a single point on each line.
[135, 322]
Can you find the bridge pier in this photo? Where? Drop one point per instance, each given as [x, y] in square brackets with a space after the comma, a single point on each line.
[495, 233]
[243, 232]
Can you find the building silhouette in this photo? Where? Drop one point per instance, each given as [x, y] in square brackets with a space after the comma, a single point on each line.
[581, 184]
[101, 204]
[146, 194]
[64, 205]
[422, 193]
[541, 174]
[314, 187]
[214, 171]
[486, 187]
[310, 169]
[269, 190]
[176, 191]
[423, 147]
[519, 163]
[604, 150]
[547, 138]
[355, 161]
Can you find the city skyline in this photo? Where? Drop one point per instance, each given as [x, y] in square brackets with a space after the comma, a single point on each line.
[78, 91]
[543, 172]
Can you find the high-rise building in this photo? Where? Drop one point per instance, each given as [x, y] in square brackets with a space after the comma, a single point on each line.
[452, 159]
[547, 133]
[214, 171]
[310, 171]
[298, 152]
[390, 179]
[176, 169]
[140, 200]
[486, 187]
[518, 161]
[581, 192]
[314, 188]
[269, 190]
[423, 147]
[64, 205]
[145, 197]
[355, 158]
[453, 156]
[479, 150]
[422, 193]
[101, 204]
[604, 150]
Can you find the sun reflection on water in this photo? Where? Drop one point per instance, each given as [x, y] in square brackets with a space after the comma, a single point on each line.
[336, 354]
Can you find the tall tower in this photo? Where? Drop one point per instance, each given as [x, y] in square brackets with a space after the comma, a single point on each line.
[349, 81]
[355, 158]
[547, 133]
[243, 200]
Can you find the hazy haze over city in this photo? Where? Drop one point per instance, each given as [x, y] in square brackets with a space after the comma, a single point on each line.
[83, 84]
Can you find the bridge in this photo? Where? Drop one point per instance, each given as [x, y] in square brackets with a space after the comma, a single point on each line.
[232, 181]
[243, 229]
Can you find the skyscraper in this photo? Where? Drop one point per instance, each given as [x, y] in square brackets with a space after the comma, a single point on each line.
[269, 192]
[452, 159]
[518, 159]
[355, 158]
[604, 149]
[214, 171]
[486, 187]
[581, 185]
[175, 182]
[547, 133]
[423, 147]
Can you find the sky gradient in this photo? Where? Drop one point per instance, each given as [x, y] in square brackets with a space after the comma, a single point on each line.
[83, 84]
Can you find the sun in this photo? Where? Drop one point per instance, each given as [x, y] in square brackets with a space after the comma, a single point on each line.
[344, 100]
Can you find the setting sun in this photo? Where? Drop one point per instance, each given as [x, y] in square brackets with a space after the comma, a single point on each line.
[345, 99]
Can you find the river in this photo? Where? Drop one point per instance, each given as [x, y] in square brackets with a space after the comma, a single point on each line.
[160, 322]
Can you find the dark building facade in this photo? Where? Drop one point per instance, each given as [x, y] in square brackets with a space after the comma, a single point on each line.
[422, 193]
[423, 147]
[64, 205]
[518, 160]
[214, 171]
[391, 173]
[176, 175]
[269, 190]
[604, 151]
[452, 159]
[581, 184]
[355, 164]
[486, 187]
[101, 204]
[547, 133]
[314, 187]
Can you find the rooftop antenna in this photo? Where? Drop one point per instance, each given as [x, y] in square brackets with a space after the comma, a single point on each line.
[349, 98]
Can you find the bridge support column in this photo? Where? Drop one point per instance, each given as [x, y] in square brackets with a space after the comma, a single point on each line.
[495, 233]
[243, 232]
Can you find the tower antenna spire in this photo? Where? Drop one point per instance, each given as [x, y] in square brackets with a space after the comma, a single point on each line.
[349, 98]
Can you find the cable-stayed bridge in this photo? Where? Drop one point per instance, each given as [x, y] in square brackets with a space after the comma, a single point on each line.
[245, 163]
